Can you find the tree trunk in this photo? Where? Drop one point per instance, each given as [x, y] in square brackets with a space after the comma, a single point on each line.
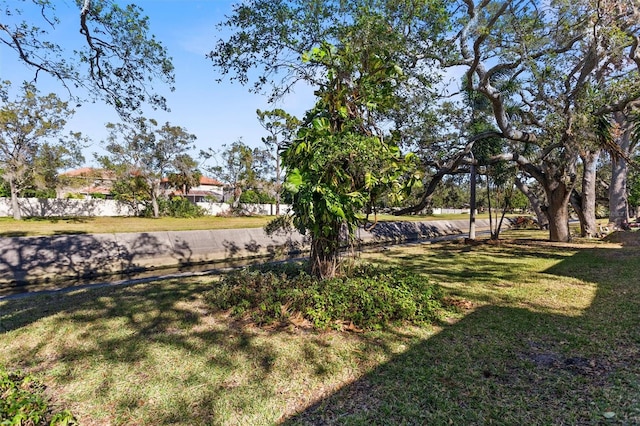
[155, 190]
[576, 203]
[489, 206]
[154, 205]
[539, 209]
[325, 254]
[237, 193]
[558, 198]
[15, 206]
[585, 205]
[278, 182]
[618, 205]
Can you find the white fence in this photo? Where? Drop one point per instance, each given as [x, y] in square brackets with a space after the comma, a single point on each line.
[66, 207]
[439, 210]
[216, 209]
[69, 207]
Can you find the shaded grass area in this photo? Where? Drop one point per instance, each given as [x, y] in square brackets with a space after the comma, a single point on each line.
[545, 335]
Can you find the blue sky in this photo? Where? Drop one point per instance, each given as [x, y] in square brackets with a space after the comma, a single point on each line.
[217, 113]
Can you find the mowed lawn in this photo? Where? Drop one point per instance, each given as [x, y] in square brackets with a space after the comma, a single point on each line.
[544, 334]
[108, 225]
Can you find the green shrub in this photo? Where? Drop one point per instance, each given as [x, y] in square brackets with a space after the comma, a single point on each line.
[175, 207]
[181, 207]
[367, 297]
[22, 402]
[38, 193]
[254, 196]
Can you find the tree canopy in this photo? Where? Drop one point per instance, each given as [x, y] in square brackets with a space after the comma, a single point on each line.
[144, 153]
[115, 58]
[546, 73]
[29, 152]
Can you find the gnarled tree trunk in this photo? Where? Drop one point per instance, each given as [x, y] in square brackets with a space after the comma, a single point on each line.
[618, 204]
[558, 197]
[325, 253]
[585, 204]
[537, 205]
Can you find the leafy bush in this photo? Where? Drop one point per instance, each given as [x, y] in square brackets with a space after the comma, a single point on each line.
[367, 297]
[181, 207]
[254, 196]
[175, 207]
[22, 402]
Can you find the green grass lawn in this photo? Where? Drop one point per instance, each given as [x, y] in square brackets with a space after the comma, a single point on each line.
[544, 334]
[98, 225]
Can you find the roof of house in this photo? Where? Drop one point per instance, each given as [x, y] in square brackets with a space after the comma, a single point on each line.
[210, 181]
[108, 174]
[204, 181]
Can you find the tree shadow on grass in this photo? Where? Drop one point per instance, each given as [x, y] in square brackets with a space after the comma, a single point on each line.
[159, 337]
[504, 364]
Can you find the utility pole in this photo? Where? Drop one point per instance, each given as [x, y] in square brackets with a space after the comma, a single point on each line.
[472, 201]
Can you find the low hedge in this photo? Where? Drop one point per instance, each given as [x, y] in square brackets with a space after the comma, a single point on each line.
[368, 297]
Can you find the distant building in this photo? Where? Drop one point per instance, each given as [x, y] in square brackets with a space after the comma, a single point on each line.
[208, 189]
[88, 181]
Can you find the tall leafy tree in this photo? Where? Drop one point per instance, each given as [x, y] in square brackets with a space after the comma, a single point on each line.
[140, 148]
[341, 161]
[268, 37]
[29, 127]
[114, 58]
[281, 127]
[186, 174]
[573, 61]
[240, 167]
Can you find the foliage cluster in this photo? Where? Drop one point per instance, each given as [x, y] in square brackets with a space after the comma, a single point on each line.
[367, 297]
[340, 162]
[175, 207]
[22, 402]
[141, 154]
[256, 196]
[241, 167]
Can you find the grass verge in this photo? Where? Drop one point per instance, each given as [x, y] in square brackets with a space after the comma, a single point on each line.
[545, 334]
[101, 225]
[108, 225]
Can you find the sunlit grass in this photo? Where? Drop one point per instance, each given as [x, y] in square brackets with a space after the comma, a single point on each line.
[94, 225]
[545, 334]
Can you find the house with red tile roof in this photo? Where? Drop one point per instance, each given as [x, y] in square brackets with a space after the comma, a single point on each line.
[87, 181]
[208, 189]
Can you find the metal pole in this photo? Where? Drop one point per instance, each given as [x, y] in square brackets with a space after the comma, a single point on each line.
[472, 202]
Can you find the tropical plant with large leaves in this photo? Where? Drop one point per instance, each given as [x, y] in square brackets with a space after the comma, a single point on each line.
[340, 161]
